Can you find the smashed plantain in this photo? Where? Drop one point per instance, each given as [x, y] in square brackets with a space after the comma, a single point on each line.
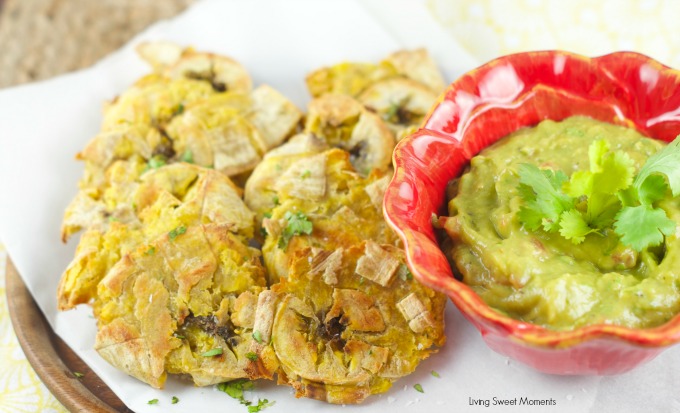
[343, 325]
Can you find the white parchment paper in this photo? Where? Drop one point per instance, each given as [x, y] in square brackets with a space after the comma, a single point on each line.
[43, 125]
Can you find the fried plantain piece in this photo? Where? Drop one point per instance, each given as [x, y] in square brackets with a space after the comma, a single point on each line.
[223, 73]
[168, 199]
[261, 189]
[402, 103]
[183, 303]
[400, 89]
[344, 123]
[345, 323]
[353, 78]
[323, 203]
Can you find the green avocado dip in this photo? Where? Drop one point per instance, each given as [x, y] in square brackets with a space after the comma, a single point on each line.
[542, 277]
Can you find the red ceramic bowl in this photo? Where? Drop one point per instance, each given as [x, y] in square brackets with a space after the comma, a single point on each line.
[489, 103]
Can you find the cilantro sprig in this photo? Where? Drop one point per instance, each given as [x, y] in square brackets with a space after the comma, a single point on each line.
[608, 195]
[298, 224]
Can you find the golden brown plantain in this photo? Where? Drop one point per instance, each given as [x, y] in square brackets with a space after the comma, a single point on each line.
[345, 323]
[182, 304]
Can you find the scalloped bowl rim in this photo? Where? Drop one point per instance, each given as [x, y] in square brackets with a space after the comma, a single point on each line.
[468, 302]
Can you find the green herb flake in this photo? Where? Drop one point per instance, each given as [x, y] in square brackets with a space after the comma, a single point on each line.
[175, 400]
[180, 109]
[236, 388]
[187, 156]
[435, 374]
[267, 214]
[404, 273]
[177, 232]
[179, 336]
[275, 200]
[257, 336]
[152, 401]
[211, 353]
[78, 374]
[298, 224]
[306, 174]
[251, 356]
[150, 251]
[261, 405]
[418, 388]
[156, 162]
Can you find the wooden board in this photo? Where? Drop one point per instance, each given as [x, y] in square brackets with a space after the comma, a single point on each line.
[52, 359]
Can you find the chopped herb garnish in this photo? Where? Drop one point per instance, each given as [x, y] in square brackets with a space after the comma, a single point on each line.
[179, 336]
[78, 374]
[156, 162]
[609, 195]
[267, 214]
[214, 352]
[187, 156]
[251, 356]
[177, 232]
[113, 219]
[435, 374]
[306, 174]
[418, 387]
[150, 251]
[236, 388]
[261, 405]
[180, 109]
[263, 231]
[152, 401]
[404, 273]
[175, 400]
[275, 200]
[298, 224]
[257, 336]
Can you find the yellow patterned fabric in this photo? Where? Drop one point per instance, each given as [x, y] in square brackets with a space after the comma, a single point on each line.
[20, 388]
[490, 28]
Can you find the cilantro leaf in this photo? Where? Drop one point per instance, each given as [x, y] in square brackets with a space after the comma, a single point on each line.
[580, 184]
[602, 209]
[574, 227]
[175, 400]
[596, 153]
[666, 162]
[418, 387]
[549, 202]
[652, 189]
[616, 172]
[298, 224]
[643, 226]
